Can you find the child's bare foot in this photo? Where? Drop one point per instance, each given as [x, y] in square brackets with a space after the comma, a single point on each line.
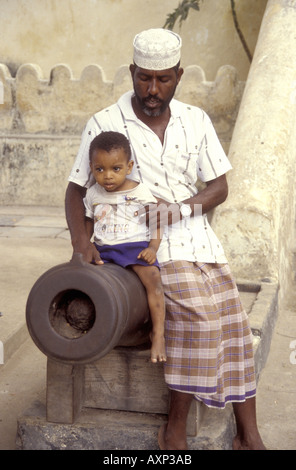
[158, 353]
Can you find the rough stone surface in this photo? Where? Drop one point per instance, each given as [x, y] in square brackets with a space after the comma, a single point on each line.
[116, 430]
[256, 223]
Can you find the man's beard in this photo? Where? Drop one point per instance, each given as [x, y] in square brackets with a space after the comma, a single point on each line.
[151, 112]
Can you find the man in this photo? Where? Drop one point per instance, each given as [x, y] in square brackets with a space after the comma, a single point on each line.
[209, 342]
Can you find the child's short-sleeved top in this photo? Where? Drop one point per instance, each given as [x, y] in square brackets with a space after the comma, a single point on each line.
[116, 214]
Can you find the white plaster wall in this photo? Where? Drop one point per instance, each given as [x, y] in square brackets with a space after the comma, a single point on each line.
[80, 32]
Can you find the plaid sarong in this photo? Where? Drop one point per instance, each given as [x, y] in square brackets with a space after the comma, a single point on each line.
[208, 338]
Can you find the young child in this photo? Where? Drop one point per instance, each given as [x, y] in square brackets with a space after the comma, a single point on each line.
[112, 206]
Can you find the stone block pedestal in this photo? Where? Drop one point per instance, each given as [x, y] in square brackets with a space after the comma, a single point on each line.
[117, 402]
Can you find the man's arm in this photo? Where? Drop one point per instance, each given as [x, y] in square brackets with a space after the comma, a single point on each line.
[75, 215]
[211, 196]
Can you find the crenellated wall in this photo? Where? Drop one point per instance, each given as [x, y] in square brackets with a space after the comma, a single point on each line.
[41, 121]
[62, 103]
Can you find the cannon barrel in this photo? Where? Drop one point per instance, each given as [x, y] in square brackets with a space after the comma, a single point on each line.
[77, 312]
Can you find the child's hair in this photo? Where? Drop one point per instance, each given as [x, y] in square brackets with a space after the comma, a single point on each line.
[109, 141]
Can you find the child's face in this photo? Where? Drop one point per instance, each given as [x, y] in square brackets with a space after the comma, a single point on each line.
[111, 168]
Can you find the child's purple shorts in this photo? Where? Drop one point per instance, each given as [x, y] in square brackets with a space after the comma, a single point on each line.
[124, 254]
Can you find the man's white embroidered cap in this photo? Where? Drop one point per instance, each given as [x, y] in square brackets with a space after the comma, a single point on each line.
[157, 49]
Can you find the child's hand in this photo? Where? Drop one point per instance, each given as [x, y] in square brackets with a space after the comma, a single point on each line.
[148, 255]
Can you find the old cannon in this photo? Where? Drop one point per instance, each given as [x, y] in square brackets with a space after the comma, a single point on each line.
[77, 312]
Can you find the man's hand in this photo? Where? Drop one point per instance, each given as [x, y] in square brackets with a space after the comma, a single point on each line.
[88, 250]
[159, 214]
[167, 213]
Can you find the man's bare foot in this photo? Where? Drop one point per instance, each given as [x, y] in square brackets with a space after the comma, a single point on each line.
[167, 442]
[158, 353]
[247, 434]
[252, 444]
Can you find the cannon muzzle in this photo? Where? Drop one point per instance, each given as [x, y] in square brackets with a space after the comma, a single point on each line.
[78, 312]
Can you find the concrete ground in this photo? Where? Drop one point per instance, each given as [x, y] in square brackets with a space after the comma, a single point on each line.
[276, 403]
[32, 240]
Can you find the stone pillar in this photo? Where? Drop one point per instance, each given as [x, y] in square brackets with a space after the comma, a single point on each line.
[256, 223]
